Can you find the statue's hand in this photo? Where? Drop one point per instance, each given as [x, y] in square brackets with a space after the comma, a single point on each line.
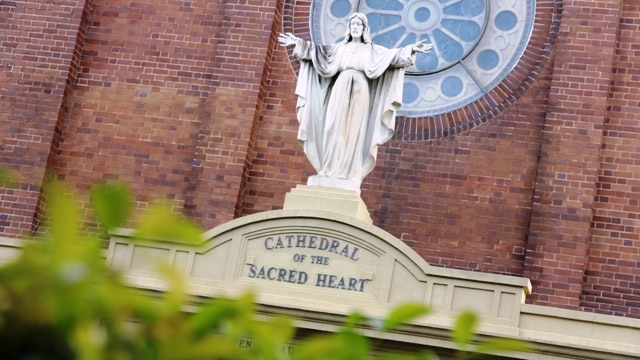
[421, 47]
[287, 39]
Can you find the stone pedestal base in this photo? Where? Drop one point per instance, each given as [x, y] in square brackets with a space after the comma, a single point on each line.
[345, 202]
[325, 181]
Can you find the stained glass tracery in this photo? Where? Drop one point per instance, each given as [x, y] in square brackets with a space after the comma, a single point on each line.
[476, 43]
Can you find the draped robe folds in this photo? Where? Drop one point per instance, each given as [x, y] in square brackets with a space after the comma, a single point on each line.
[348, 94]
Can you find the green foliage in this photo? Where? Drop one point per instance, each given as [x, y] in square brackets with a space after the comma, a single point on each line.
[160, 223]
[60, 300]
[112, 204]
[403, 314]
[464, 335]
[7, 179]
[464, 328]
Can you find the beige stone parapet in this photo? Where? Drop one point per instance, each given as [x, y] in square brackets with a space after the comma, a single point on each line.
[10, 249]
[582, 335]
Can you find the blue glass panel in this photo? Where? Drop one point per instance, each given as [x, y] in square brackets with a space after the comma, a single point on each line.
[385, 4]
[488, 59]
[341, 8]
[465, 8]
[451, 86]
[467, 31]
[410, 93]
[389, 38]
[473, 7]
[422, 14]
[376, 4]
[506, 20]
[379, 22]
[450, 50]
[427, 62]
[395, 5]
[410, 39]
[376, 22]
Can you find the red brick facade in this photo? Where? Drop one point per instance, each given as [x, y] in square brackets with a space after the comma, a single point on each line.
[192, 101]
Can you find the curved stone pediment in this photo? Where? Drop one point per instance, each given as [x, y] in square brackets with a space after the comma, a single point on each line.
[322, 262]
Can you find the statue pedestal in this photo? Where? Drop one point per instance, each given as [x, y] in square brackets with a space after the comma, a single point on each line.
[329, 182]
[345, 202]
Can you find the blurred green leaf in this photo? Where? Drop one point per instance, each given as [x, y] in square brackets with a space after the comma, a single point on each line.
[344, 345]
[271, 338]
[403, 314]
[112, 204]
[213, 316]
[214, 346]
[501, 345]
[7, 178]
[160, 223]
[354, 319]
[419, 356]
[176, 297]
[464, 328]
[63, 217]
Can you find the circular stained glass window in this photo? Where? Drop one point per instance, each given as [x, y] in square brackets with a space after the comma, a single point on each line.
[476, 43]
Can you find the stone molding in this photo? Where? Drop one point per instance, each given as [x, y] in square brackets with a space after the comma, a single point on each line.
[387, 272]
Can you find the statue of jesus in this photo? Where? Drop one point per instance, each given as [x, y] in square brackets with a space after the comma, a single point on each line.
[348, 94]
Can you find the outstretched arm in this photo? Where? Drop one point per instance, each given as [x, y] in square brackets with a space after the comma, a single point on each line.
[287, 39]
[421, 47]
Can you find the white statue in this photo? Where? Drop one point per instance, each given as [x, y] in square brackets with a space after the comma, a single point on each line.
[348, 94]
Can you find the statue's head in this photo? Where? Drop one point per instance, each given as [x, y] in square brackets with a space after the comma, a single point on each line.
[366, 32]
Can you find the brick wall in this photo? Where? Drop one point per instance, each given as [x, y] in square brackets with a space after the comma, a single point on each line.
[38, 54]
[166, 100]
[192, 101]
[612, 276]
[136, 107]
[567, 171]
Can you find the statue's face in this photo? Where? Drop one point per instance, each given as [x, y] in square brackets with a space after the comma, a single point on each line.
[357, 28]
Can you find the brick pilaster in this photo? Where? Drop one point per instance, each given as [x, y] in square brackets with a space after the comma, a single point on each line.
[225, 139]
[39, 51]
[568, 168]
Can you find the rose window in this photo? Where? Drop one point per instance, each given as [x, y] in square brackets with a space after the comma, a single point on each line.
[476, 43]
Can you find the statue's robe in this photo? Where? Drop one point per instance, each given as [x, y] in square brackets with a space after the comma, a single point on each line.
[348, 95]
